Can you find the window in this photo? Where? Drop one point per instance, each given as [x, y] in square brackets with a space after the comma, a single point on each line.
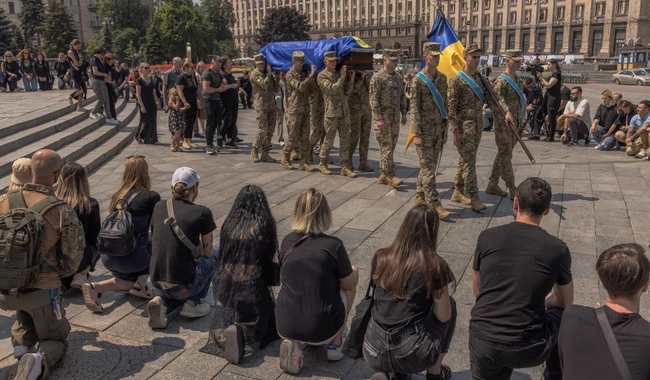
[499, 3]
[576, 41]
[600, 9]
[621, 7]
[474, 21]
[499, 19]
[557, 43]
[75, 2]
[486, 4]
[528, 2]
[527, 14]
[12, 8]
[486, 41]
[513, 18]
[511, 41]
[559, 14]
[597, 42]
[473, 38]
[497, 43]
[75, 17]
[452, 8]
[452, 22]
[475, 5]
[580, 11]
[525, 42]
[543, 14]
[94, 19]
[619, 38]
[486, 20]
[542, 41]
[513, 3]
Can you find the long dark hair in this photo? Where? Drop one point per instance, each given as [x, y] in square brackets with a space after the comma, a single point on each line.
[414, 251]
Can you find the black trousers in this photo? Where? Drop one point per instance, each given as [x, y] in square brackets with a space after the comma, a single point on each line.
[578, 130]
[552, 121]
[190, 117]
[12, 83]
[212, 109]
[230, 113]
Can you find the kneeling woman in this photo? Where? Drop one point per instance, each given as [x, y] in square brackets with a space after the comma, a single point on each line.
[413, 317]
[318, 284]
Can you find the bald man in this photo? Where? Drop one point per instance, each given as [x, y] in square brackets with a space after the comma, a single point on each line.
[40, 318]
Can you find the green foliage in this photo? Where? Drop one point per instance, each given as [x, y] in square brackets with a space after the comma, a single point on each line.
[125, 14]
[155, 50]
[227, 48]
[58, 29]
[32, 17]
[125, 43]
[92, 44]
[7, 42]
[220, 18]
[283, 24]
[107, 37]
[19, 40]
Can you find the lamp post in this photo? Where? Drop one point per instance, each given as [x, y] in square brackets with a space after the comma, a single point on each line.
[188, 51]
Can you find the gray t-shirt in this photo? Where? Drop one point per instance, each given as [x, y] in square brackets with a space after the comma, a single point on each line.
[214, 80]
[170, 77]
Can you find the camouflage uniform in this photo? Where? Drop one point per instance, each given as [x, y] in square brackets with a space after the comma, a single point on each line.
[264, 88]
[388, 103]
[360, 119]
[317, 117]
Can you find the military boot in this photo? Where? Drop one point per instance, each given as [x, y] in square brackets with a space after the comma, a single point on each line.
[442, 213]
[394, 181]
[286, 163]
[348, 173]
[418, 200]
[265, 156]
[323, 168]
[254, 155]
[364, 167]
[513, 191]
[383, 180]
[459, 197]
[295, 156]
[494, 189]
[304, 166]
[476, 203]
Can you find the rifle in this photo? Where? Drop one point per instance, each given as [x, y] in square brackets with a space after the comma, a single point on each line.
[493, 100]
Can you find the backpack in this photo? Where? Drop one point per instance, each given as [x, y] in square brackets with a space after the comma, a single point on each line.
[21, 234]
[117, 237]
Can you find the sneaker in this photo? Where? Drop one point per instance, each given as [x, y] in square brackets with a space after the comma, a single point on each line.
[112, 121]
[597, 146]
[641, 154]
[210, 150]
[94, 116]
[237, 139]
[290, 361]
[157, 313]
[199, 135]
[234, 344]
[20, 351]
[334, 352]
[572, 143]
[30, 367]
[220, 143]
[195, 310]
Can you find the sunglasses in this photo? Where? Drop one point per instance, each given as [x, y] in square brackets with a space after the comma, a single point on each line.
[146, 68]
[134, 156]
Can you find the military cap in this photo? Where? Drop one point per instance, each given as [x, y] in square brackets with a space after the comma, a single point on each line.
[432, 48]
[391, 54]
[259, 58]
[515, 55]
[473, 48]
[330, 55]
[298, 56]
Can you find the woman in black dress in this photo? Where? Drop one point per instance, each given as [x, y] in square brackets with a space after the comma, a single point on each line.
[76, 68]
[146, 95]
[188, 92]
[42, 69]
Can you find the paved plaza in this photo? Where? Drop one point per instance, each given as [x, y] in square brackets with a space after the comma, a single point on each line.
[600, 199]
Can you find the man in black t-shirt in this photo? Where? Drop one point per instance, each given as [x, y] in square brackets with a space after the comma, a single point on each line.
[182, 259]
[515, 322]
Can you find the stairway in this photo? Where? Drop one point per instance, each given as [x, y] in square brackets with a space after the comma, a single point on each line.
[72, 134]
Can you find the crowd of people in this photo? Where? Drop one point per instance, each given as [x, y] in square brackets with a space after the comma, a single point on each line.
[517, 321]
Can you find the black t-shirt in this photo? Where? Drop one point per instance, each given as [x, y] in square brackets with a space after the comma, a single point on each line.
[518, 265]
[309, 306]
[624, 119]
[553, 93]
[189, 88]
[532, 94]
[61, 68]
[565, 94]
[214, 80]
[171, 260]
[91, 223]
[606, 115]
[584, 351]
[99, 64]
[229, 96]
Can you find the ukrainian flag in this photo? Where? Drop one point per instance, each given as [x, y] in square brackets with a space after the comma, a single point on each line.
[451, 54]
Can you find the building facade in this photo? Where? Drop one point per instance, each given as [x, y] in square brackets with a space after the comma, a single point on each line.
[593, 28]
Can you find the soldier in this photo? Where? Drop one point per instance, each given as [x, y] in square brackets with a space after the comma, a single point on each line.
[387, 101]
[317, 118]
[297, 111]
[360, 119]
[265, 85]
[337, 114]
[428, 101]
[507, 86]
[465, 103]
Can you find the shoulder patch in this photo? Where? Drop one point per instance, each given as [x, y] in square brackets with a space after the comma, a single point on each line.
[325, 82]
[412, 91]
[258, 79]
[370, 88]
[292, 82]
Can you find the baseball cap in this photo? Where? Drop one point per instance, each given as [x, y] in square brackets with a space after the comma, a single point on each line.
[185, 175]
[20, 172]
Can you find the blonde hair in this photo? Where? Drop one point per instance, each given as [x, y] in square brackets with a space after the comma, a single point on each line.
[14, 186]
[73, 187]
[136, 175]
[143, 65]
[312, 214]
[173, 92]
[74, 43]
[179, 191]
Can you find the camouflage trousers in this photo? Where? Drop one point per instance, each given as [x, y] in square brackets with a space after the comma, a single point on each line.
[502, 167]
[466, 169]
[428, 155]
[265, 126]
[317, 120]
[298, 138]
[360, 122]
[342, 126]
[387, 138]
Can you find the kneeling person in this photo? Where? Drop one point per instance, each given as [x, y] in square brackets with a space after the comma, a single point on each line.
[182, 261]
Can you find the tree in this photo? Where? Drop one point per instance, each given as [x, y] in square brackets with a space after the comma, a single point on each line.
[107, 38]
[155, 49]
[58, 29]
[122, 39]
[32, 16]
[283, 24]
[19, 39]
[220, 17]
[92, 44]
[7, 42]
[227, 48]
[126, 14]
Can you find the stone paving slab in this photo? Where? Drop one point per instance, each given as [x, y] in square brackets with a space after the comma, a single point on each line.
[600, 199]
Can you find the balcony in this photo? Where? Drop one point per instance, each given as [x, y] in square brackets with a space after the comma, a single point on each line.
[95, 24]
[93, 4]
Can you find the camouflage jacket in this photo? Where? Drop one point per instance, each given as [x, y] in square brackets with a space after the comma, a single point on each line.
[316, 98]
[425, 114]
[462, 103]
[264, 88]
[511, 98]
[387, 98]
[360, 97]
[297, 87]
[334, 88]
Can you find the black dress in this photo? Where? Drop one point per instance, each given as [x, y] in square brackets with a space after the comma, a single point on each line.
[43, 71]
[148, 128]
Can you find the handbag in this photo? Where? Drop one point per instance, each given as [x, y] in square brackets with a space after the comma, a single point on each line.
[613, 346]
[353, 345]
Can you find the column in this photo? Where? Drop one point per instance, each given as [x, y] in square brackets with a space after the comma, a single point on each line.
[587, 30]
[605, 51]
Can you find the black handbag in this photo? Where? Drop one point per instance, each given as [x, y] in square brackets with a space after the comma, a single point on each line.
[353, 345]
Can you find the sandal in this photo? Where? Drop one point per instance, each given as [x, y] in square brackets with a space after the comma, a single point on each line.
[173, 148]
[140, 290]
[92, 298]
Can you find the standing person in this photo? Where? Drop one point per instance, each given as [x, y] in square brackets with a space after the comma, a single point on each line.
[123, 82]
[413, 315]
[176, 121]
[515, 321]
[199, 124]
[40, 317]
[28, 71]
[111, 113]
[146, 95]
[316, 119]
[130, 272]
[465, 101]
[279, 117]
[189, 93]
[360, 119]
[76, 68]
[265, 85]
[11, 70]
[585, 349]
[213, 86]
[552, 85]
[533, 99]
[429, 100]
[170, 77]
[335, 87]
[297, 110]
[100, 76]
[508, 87]
[387, 101]
[246, 90]
[133, 78]
[230, 105]
[62, 69]
[42, 71]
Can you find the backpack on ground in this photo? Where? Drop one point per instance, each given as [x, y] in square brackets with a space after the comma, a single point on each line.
[21, 233]
[118, 237]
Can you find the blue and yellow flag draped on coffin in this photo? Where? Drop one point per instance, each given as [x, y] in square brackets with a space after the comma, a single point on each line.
[451, 54]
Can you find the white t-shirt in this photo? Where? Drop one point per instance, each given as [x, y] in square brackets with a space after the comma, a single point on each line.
[581, 108]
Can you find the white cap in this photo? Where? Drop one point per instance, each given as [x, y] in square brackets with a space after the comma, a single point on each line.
[185, 175]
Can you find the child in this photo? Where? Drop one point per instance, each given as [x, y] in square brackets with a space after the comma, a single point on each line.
[176, 124]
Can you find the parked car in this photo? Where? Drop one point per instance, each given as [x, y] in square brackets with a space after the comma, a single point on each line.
[647, 70]
[638, 77]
